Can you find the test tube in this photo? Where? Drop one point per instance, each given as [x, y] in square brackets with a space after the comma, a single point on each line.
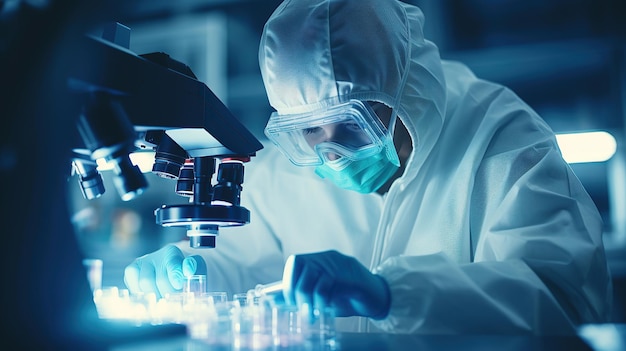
[319, 327]
[195, 285]
[215, 297]
[242, 299]
[286, 327]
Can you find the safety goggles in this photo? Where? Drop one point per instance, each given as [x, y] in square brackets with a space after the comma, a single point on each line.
[347, 131]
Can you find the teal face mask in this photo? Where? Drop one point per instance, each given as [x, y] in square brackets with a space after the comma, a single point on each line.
[365, 175]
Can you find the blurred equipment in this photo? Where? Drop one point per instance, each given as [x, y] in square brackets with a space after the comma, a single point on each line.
[154, 103]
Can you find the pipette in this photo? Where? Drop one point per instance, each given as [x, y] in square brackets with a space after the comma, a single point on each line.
[277, 286]
[269, 288]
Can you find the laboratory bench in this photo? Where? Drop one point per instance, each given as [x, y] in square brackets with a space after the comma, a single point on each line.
[602, 337]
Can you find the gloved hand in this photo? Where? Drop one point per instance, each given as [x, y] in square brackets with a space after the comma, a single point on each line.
[338, 281]
[162, 271]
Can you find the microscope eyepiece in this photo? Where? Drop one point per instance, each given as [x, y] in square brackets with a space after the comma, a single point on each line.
[104, 126]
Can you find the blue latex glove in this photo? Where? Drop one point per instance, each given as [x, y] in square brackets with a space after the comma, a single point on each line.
[162, 271]
[338, 281]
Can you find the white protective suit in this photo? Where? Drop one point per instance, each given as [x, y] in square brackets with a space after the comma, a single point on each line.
[487, 231]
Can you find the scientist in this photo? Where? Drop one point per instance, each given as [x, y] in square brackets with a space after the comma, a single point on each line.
[481, 226]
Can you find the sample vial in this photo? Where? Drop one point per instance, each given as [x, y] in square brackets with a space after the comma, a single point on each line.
[195, 284]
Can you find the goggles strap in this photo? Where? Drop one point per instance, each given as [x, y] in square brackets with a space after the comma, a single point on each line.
[392, 123]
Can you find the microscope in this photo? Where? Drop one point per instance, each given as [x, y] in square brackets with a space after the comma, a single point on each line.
[69, 100]
[153, 103]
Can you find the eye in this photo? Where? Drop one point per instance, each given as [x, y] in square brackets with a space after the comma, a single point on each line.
[352, 127]
[309, 131]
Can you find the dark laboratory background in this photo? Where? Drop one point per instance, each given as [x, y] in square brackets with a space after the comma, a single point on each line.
[566, 58]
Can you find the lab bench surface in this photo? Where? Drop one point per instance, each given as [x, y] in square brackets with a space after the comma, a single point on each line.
[606, 337]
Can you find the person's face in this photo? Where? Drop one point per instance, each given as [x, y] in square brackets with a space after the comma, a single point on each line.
[348, 133]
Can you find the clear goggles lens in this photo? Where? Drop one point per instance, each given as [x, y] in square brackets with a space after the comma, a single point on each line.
[350, 130]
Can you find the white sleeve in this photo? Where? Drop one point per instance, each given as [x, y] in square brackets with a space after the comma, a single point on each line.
[538, 260]
[433, 295]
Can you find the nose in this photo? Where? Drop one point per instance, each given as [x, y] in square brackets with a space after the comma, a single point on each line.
[331, 156]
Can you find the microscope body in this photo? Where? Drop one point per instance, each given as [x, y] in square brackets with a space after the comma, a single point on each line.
[151, 102]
